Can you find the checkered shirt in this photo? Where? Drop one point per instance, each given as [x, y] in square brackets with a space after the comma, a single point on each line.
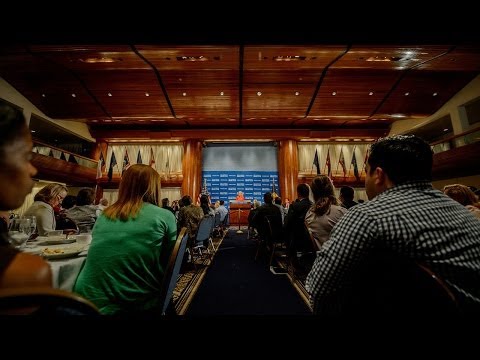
[413, 220]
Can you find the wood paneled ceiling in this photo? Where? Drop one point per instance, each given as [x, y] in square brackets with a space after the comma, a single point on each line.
[328, 87]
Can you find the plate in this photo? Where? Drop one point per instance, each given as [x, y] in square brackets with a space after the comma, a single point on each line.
[60, 253]
[56, 242]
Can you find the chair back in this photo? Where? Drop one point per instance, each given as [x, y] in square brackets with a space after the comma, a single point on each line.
[204, 229]
[393, 285]
[173, 269]
[217, 220]
[44, 301]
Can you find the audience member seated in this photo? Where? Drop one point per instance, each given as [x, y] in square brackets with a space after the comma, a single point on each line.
[407, 217]
[17, 269]
[205, 205]
[222, 210]
[102, 205]
[45, 200]
[251, 226]
[84, 213]
[165, 205]
[294, 225]
[278, 202]
[347, 194]
[131, 243]
[325, 212]
[69, 202]
[189, 216]
[465, 196]
[267, 209]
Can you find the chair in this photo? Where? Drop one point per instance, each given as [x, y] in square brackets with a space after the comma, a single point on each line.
[65, 223]
[270, 236]
[173, 269]
[44, 302]
[225, 223]
[203, 236]
[394, 286]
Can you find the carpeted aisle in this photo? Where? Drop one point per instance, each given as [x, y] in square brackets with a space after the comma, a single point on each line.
[236, 285]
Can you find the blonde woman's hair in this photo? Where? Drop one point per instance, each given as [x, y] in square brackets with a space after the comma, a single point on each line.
[323, 194]
[139, 184]
[49, 192]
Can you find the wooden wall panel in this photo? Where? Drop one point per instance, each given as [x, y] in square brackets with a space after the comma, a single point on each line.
[192, 168]
[288, 169]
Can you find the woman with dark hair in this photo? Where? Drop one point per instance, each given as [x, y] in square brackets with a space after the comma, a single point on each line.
[325, 211]
[205, 205]
[131, 243]
[17, 269]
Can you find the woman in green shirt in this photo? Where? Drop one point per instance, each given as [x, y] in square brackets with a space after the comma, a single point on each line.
[131, 243]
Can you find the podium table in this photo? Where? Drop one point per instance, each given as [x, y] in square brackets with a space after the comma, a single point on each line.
[239, 211]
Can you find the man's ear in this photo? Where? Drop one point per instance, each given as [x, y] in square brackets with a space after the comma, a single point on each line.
[382, 180]
[380, 176]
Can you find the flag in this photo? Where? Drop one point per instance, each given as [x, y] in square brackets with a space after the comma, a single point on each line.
[152, 159]
[365, 162]
[274, 189]
[126, 161]
[100, 166]
[341, 161]
[139, 158]
[113, 162]
[62, 156]
[316, 163]
[328, 164]
[72, 159]
[355, 166]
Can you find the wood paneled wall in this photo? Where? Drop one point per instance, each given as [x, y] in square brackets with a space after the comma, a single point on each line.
[288, 168]
[192, 168]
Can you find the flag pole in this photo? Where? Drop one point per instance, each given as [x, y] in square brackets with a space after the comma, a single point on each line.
[338, 162]
[328, 149]
[364, 162]
[353, 152]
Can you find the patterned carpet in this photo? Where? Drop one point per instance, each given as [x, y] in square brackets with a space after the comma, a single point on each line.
[191, 278]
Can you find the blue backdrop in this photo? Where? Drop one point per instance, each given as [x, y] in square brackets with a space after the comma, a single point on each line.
[228, 169]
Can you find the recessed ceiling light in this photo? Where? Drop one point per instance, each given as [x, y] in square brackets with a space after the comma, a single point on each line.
[445, 129]
[435, 94]
[297, 93]
[334, 93]
[43, 95]
[94, 60]
[184, 94]
[74, 95]
[370, 93]
[259, 93]
[147, 94]
[407, 93]
[221, 93]
[109, 94]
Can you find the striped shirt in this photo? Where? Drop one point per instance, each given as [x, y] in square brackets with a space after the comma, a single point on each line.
[412, 220]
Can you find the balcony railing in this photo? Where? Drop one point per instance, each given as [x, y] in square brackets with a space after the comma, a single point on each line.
[468, 137]
[57, 153]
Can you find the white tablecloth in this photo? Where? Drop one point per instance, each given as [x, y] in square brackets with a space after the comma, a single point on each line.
[64, 271]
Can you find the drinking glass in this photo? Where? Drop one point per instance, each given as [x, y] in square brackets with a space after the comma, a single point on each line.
[19, 232]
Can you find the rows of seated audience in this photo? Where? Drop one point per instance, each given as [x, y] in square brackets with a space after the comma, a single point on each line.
[341, 240]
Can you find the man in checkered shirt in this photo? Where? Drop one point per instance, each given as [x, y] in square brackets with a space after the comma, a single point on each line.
[406, 219]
